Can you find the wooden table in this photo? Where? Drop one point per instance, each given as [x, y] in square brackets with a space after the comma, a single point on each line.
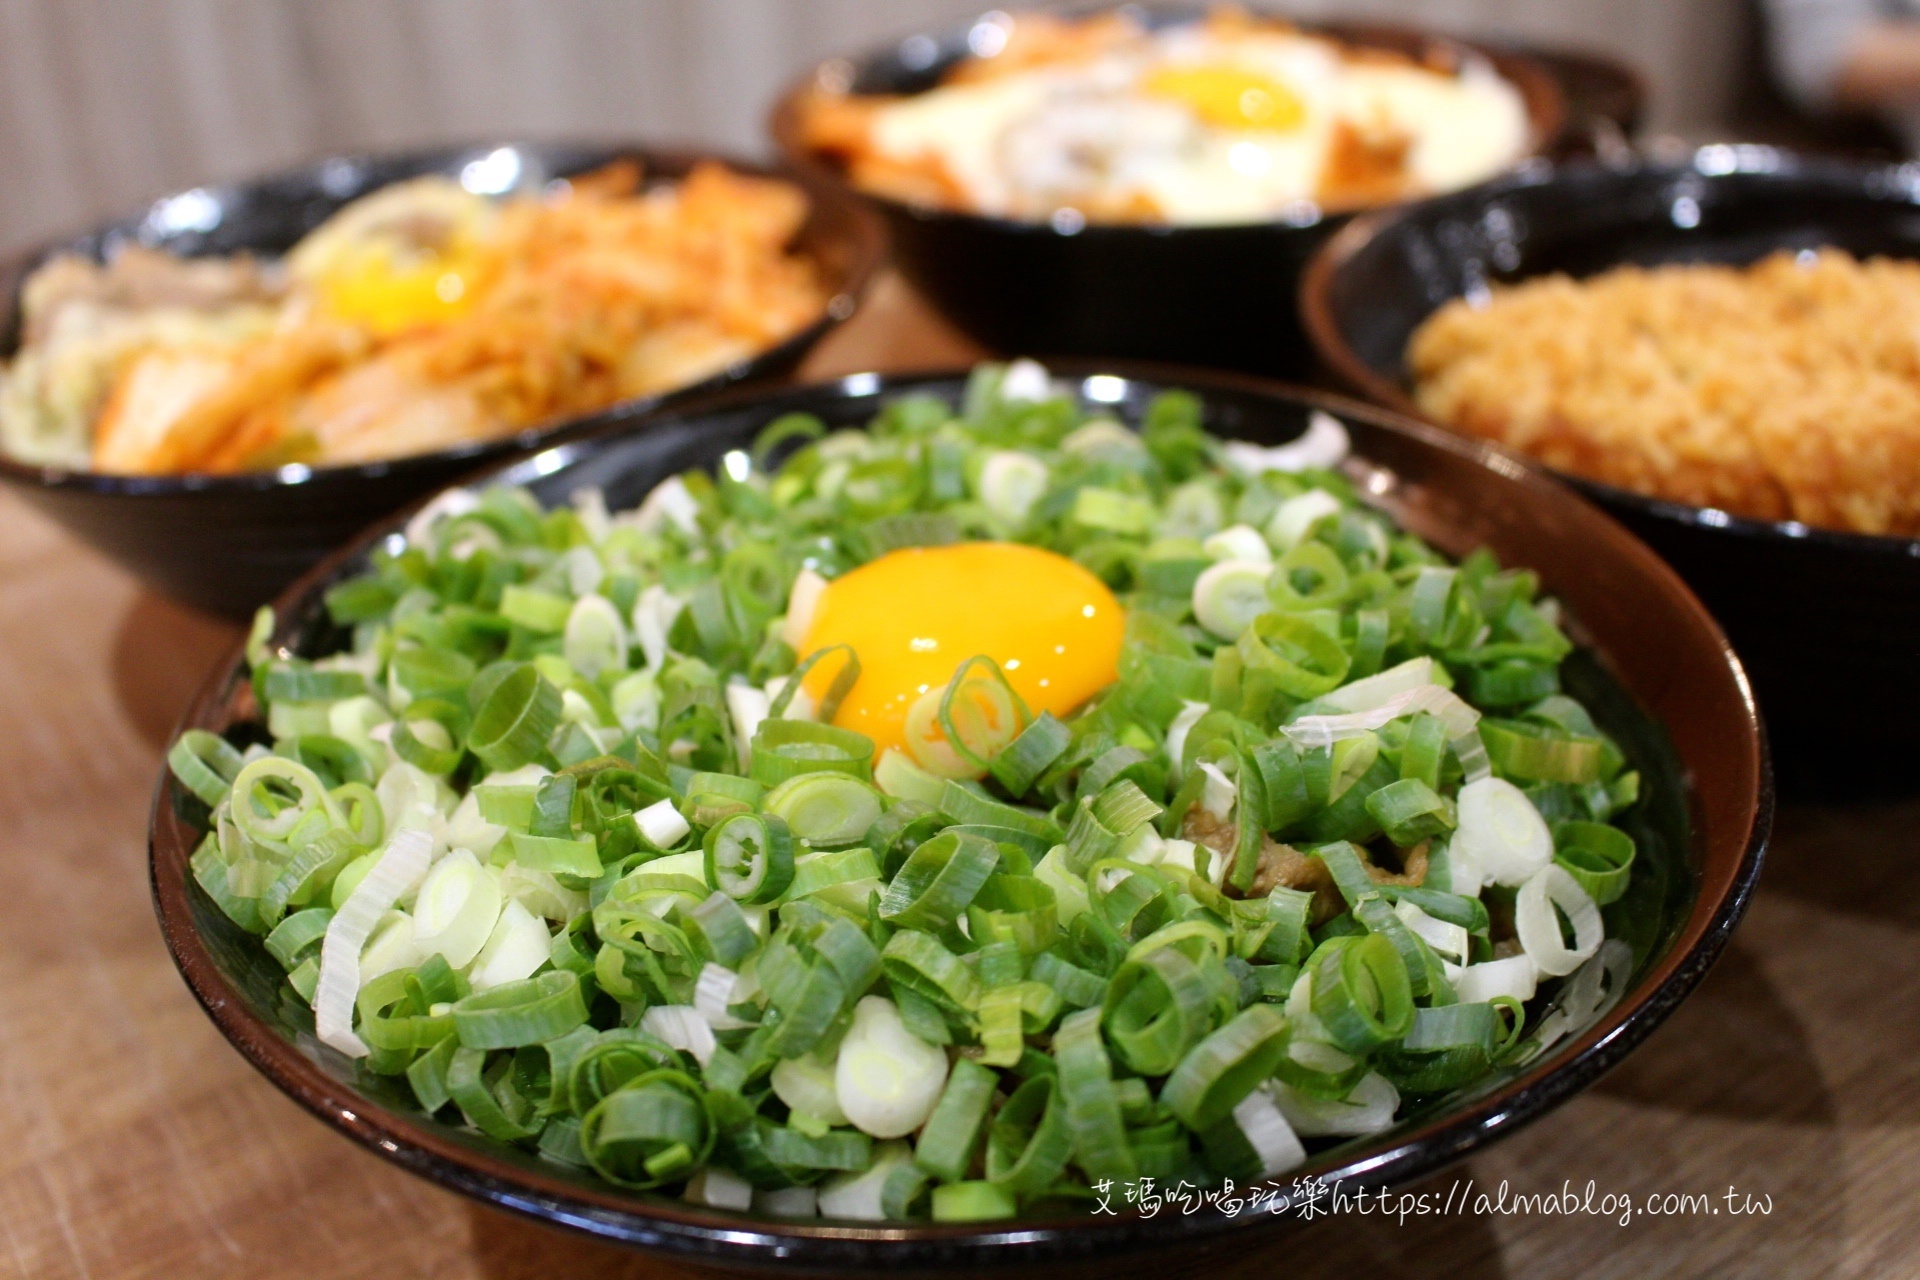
[138, 1144]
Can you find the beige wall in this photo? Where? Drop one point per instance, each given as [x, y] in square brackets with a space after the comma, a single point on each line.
[104, 103]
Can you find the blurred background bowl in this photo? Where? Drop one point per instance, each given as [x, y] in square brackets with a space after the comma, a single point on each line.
[1658, 676]
[1827, 623]
[228, 543]
[1207, 295]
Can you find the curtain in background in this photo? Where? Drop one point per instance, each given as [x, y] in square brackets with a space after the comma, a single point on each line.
[105, 103]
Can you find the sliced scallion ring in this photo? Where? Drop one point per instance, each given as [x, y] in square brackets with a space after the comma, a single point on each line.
[749, 857]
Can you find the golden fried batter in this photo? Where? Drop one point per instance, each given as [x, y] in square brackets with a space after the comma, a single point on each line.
[1785, 390]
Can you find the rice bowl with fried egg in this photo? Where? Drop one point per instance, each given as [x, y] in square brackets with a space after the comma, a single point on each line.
[1227, 120]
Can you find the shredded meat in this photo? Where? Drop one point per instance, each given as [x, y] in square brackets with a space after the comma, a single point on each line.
[1283, 866]
[139, 279]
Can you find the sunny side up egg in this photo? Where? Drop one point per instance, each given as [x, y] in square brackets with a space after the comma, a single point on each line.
[916, 614]
[1197, 127]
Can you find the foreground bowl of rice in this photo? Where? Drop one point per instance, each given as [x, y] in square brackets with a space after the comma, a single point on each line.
[1723, 349]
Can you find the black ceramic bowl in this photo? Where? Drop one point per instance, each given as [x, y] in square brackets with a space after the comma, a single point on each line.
[228, 543]
[1657, 661]
[1209, 295]
[1828, 624]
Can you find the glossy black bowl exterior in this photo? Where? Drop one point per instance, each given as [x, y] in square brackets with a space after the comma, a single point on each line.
[1205, 295]
[1828, 624]
[229, 543]
[1661, 662]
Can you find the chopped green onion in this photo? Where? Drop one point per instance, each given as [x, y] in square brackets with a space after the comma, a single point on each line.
[569, 845]
[749, 857]
[825, 809]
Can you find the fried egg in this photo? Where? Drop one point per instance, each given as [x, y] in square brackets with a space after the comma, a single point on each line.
[914, 615]
[406, 256]
[1213, 123]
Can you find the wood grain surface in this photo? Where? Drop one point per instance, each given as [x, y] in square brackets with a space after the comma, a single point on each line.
[137, 1144]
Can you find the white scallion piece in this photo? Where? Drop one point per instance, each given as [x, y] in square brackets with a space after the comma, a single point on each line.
[896, 774]
[1514, 976]
[691, 863]
[1368, 1109]
[391, 947]
[1178, 853]
[527, 775]
[1026, 380]
[1324, 730]
[575, 707]
[541, 894]
[1502, 832]
[713, 991]
[1449, 940]
[595, 639]
[1010, 483]
[1317, 1054]
[669, 503]
[1465, 875]
[802, 602]
[799, 707]
[355, 719]
[1176, 744]
[681, 1026]
[857, 1195]
[410, 797]
[399, 868]
[1069, 890]
[1269, 1134]
[636, 702]
[584, 571]
[806, 1085]
[1324, 444]
[1215, 872]
[887, 1079]
[1100, 433]
[1230, 595]
[747, 706]
[1368, 693]
[1297, 516]
[519, 944]
[458, 906]
[653, 617]
[1145, 846]
[1475, 764]
[719, 1189]
[1218, 793]
[788, 1202]
[1537, 922]
[661, 824]
[590, 504]
[451, 504]
[1587, 996]
[1238, 542]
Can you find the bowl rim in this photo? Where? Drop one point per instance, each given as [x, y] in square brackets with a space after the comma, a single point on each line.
[867, 253]
[1710, 162]
[694, 1232]
[1544, 99]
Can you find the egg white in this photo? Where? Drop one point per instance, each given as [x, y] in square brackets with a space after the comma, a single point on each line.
[1026, 144]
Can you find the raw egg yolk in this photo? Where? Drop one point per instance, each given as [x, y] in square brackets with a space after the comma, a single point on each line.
[1229, 97]
[390, 292]
[914, 615]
